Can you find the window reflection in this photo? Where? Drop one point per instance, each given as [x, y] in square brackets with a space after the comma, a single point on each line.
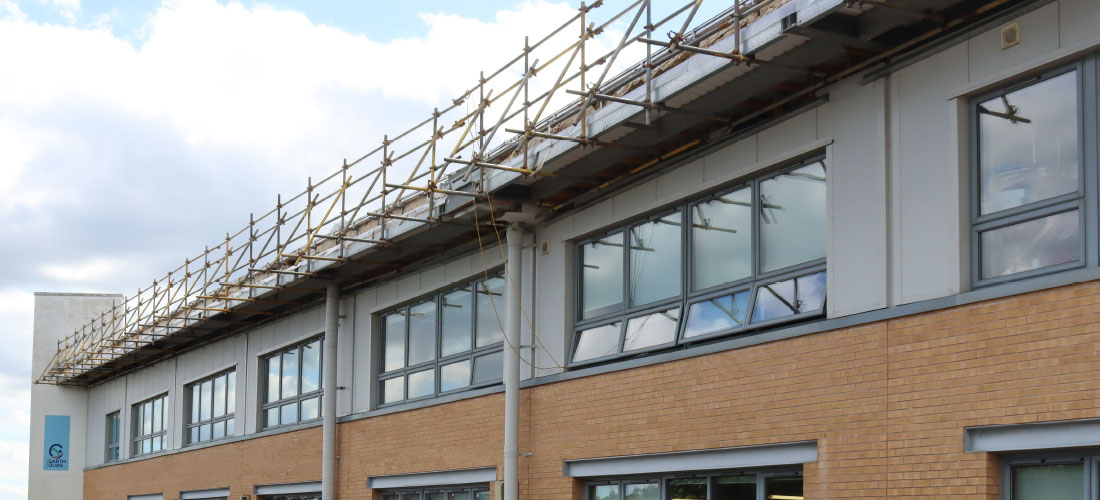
[792, 217]
[714, 315]
[655, 260]
[1038, 243]
[597, 342]
[721, 232]
[789, 297]
[1029, 144]
[651, 330]
[601, 275]
[735, 487]
[490, 311]
[421, 333]
[457, 318]
[1040, 482]
[644, 491]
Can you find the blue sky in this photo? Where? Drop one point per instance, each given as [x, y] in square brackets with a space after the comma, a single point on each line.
[134, 133]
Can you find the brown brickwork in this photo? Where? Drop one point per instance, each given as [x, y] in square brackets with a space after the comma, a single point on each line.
[887, 403]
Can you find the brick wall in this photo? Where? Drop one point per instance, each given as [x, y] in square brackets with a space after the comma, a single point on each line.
[887, 403]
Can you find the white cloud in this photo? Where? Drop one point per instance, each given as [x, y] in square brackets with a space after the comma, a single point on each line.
[92, 269]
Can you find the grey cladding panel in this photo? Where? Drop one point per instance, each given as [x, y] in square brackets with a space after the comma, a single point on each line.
[719, 458]
[438, 478]
[1038, 436]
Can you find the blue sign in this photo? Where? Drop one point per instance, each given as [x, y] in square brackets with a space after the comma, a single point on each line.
[56, 443]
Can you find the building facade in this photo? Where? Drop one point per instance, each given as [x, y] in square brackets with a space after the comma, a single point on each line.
[888, 289]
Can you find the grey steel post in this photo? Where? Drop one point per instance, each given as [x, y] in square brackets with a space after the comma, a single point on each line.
[328, 434]
[513, 271]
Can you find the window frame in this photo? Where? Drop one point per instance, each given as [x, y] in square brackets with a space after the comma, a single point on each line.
[1083, 200]
[756, 279]
[300, 396]
[762, 475]
[117, 444]
[438, 361]
[1089, 458]
[188, 406]
[136, 437]
[423, 491]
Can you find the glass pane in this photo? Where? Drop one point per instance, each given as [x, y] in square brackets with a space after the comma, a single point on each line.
[421, 384]
[650, 330]
[721, 233]
[231, 393]
[290, 374]
[1042, 482]
[789, 297]
[194, 434]
[1046, 241]
[655, 260]
[272, 379]
[311, 366]
[601, 275]
[114, 428]
[734, 488]
[647, 491]
[146, 446]
[597, 342]
[422, 333]
[147, 418]
[391, 496]
[488, 368]
[393, 390]
[219, 430]
[454, 376]
[490, 311]
[288, 413]
[457, 320]
[195, 391]
[688, 489]
[714, 315]
[158, 415]
[206, 388]
[272, 416]
[481, 495]
[204, 432]
[783, 488]
[156, 446]
[603, 492]
[435, 496]
[459, 495]
[311, 408]
[1028, 144]
[230, 429]
[219, 396]
[394, 341]
[792, 217]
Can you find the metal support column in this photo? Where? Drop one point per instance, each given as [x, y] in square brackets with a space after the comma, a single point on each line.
[328, 435]
[513, 272]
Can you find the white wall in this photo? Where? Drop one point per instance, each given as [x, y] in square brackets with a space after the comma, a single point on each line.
[55, 316]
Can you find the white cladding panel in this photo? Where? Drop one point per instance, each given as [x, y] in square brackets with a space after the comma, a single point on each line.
[103, 399]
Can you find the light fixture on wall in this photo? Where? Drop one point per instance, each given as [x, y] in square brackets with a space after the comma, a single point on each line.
[1010, 35]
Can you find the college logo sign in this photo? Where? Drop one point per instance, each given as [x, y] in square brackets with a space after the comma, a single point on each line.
[56, 443]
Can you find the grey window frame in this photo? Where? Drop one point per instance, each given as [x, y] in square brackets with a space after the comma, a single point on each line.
[296, 399]
[1090, 458]
[761, 473]
[136, 437]
[189, 398]
[438, 361]
[116, 445]
[422, 492]
[756, 280]
[1084, 200]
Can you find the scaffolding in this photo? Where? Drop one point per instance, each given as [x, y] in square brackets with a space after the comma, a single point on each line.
[498, 131]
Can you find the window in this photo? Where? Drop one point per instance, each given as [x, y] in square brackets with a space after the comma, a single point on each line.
[443, 493]
[150, 426]
[736, 260]
[448, 342]
[112, 434]
[305, 496]
[1066, 476]
[212, 404]
[1028, 208]
[292, 391]
[734, 485]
